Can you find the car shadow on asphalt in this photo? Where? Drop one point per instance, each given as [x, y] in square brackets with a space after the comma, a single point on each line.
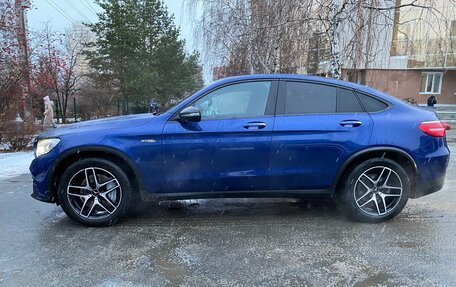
[234, 210]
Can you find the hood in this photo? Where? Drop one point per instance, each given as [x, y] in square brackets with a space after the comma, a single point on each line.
[99, 125]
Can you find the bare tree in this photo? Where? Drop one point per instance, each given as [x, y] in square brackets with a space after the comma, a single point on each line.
[62, 55]
[12, 70]
[276, 36]
[97, 97]
[254, 36]
[359, 32]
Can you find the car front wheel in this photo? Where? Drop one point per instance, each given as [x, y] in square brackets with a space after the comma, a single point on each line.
[94, 192]
[377, 190]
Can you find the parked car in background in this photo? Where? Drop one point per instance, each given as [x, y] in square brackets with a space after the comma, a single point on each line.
[249, 136]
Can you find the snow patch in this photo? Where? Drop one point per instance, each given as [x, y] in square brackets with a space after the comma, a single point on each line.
[14, 164]
[4, 146]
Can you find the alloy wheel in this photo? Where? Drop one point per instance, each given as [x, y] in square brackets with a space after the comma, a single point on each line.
[94, 193]
[378, 191]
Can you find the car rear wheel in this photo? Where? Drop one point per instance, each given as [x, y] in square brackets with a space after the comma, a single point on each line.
[95, 192]
[377, 190]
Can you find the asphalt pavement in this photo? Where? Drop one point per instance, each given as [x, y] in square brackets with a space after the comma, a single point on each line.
[235, 242]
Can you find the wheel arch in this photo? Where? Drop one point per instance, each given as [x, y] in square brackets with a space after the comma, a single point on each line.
[75, 154]
[393, 153]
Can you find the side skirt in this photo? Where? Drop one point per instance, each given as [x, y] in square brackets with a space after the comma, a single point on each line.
[240, 194]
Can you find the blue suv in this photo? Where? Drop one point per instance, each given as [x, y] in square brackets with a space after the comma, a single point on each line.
[248, 136]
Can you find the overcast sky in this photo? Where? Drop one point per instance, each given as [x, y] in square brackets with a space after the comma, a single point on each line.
[61, 13]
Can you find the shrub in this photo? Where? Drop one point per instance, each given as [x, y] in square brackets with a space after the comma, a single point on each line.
[18, 135]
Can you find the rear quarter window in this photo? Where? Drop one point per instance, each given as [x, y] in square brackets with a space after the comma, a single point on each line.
[372, 104]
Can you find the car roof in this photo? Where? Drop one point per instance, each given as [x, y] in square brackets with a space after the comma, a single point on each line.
[315, 79]
[289, 77]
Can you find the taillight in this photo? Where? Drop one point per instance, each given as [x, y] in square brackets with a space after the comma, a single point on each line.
[434, 129]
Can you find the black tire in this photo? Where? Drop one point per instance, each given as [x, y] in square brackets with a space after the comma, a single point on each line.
[108, 206]
[380, 203]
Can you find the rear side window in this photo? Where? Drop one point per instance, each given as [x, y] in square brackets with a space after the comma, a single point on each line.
[347, 102]
[371, 104]
[308, 98]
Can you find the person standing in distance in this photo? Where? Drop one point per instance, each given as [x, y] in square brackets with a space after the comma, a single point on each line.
[48, 121]
[431, 101]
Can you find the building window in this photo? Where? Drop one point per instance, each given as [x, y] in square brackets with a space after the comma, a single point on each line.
[431, 83]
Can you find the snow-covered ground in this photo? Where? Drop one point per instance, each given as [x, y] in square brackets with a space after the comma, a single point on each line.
[14, 164]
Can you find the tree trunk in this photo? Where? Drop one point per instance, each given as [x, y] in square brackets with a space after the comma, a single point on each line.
[334, 39]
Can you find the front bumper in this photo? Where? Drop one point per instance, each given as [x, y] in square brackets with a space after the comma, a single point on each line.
[41, 170]
[47, 197]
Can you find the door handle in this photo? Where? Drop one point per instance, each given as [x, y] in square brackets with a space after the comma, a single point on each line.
[350, 123]
[255, 125]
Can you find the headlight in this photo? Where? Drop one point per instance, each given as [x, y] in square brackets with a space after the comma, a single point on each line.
[45, 145]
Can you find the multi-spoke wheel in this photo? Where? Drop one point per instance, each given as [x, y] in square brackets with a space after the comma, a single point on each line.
[377, 190]
[94, 192]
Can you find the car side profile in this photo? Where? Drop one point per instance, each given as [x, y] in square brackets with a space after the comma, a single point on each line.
[248, 136]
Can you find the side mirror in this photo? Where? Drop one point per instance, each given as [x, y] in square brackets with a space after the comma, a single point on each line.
[190, 114]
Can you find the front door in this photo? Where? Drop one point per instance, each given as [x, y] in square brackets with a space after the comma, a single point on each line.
[228, 150]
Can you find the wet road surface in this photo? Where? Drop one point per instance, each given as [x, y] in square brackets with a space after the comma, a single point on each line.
[235, 242]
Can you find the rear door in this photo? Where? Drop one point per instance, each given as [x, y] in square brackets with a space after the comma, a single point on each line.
[317, 127]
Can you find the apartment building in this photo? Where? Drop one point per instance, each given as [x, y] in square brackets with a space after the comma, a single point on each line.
[420, 57]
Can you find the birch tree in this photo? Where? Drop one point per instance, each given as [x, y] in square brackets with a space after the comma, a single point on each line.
[254, 36]
[273, 36]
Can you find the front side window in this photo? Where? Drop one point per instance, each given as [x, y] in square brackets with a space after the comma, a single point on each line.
[244, 100]
[307, 98]
[431, 83]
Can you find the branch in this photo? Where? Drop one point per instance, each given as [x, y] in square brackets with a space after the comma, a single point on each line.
[397, 6]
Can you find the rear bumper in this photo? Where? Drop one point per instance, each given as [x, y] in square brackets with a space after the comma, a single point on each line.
[431, 170]
[425, 187]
